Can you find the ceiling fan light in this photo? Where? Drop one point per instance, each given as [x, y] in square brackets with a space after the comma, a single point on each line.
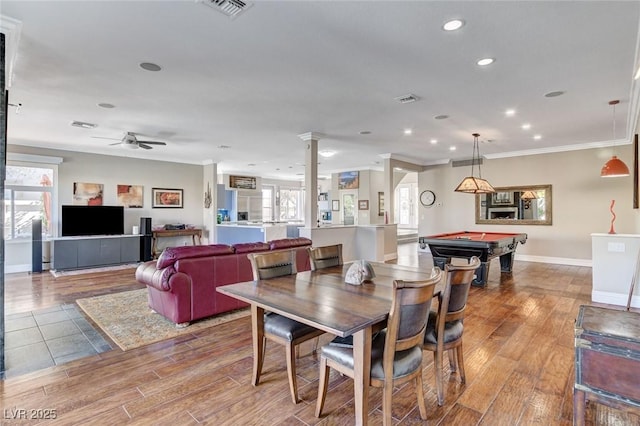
[131, 145]
[474, 185]
[615, 167]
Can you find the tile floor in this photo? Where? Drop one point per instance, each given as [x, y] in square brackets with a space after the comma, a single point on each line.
[48, 337]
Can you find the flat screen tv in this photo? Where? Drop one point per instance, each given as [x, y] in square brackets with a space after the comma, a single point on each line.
[92, 220]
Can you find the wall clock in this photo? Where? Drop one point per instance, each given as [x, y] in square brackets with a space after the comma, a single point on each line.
[427, 198]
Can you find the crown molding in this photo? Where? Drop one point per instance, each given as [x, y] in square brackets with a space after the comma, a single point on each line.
[311, 136]
[11, 28]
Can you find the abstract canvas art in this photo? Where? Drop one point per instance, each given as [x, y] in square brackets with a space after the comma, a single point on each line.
[88, 194]
[130, 196]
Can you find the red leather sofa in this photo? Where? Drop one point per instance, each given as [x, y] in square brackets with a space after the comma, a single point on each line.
[182, 283]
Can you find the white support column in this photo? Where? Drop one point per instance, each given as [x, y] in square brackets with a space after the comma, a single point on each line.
[209, 214]
[311, 178]
[389, 191]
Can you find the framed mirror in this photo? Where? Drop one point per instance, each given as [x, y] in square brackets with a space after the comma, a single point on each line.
[515, 205]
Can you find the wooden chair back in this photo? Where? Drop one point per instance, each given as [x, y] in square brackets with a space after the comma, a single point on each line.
[453, 300]
[325, 256]
[273, 264]
[407, 319]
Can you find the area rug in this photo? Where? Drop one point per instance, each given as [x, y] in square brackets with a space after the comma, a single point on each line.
[126, 318]
[69, 272]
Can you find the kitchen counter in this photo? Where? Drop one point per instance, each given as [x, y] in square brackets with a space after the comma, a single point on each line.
[241, 232]
[377, 243]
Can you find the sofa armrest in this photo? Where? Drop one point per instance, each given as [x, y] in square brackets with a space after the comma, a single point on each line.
[148, 274]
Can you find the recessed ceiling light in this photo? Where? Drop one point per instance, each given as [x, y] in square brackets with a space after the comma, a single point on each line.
[441, 117]
[365, 132]
[149, 66]
[510, 112]
[83, 125]
[485, 61]
[251, 164]
[554, 94]
[537, 137]
[434, 141]
[452, 148]
[526, 126]
[106, 105]
[223, 147]
[454, 24]
[327, 153]
[408, 131]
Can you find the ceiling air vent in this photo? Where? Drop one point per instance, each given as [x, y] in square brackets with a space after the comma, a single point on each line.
[406, 99]
[83, 125]
[465, 163]
[231, 8]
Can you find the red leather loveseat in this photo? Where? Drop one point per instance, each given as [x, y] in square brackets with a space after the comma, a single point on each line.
[182, 283]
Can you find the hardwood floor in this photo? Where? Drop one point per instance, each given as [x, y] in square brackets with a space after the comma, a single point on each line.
[518, 348]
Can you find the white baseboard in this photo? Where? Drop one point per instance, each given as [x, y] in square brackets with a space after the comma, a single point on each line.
[614, 299]
[14, 269]
[541, 259]
[555, 260]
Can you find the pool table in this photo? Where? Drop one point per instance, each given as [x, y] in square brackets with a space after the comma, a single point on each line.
[485, 245]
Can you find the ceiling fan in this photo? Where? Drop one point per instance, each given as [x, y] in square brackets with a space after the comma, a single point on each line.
[131, 141]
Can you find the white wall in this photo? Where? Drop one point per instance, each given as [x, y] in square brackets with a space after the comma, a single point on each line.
[111, 171]
[581, 200]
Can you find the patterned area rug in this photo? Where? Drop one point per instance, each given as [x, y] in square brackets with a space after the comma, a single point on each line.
[126, 318]
[57, 274]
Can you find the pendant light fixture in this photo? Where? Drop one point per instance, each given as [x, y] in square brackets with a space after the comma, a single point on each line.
[526, 198]
[615, 167]
[472, 184]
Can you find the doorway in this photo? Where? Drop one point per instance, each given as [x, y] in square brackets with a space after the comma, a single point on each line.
[349, 207]
[406, 197]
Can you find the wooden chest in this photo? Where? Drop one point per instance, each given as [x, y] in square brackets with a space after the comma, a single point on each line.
[607, 359]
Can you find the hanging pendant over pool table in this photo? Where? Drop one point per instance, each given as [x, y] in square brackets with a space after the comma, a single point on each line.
[485, 245]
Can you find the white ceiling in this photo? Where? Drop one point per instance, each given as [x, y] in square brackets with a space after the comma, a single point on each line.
[284, 68]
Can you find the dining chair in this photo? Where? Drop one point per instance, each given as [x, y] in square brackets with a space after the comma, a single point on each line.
[277, 328]
[396, 351]
[325, 256]
[445, 325]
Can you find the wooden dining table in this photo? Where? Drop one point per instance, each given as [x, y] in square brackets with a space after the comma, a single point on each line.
[323, 300]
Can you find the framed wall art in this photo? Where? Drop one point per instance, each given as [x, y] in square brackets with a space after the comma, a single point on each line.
[166, 198]
[130, 196]
[363, 205]
[87, 194]
[349, 180]
[502, 197]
